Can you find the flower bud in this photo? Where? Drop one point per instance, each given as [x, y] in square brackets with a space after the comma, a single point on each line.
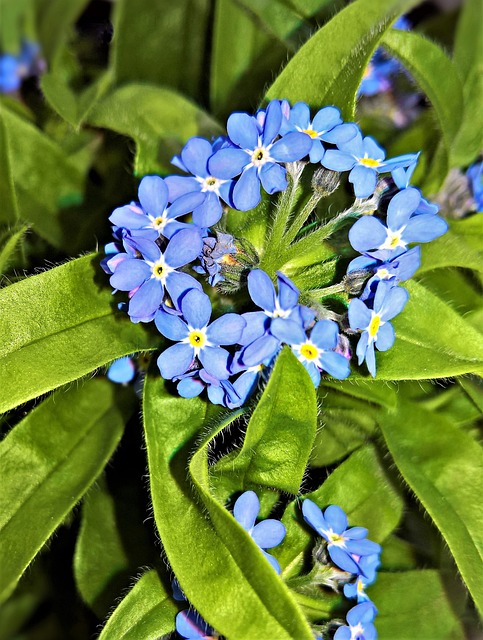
[325, 181]
[354, 281]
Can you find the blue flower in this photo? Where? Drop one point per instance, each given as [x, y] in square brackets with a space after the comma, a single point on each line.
[369, 234]
[369, 565]
[316, 353]
[215, 253]
[402, 179]
[364, 158]
[190, 625]
[320, 128]
[122, 370]
[377, 75]
[266, 534]
[360, 625]
[14, 68]
[374, 323]
[194, 159]
[475, 176]
[197, 338]
[259, 343]
[154, 218]
[256, 155]
[345, 546]
[146, 279]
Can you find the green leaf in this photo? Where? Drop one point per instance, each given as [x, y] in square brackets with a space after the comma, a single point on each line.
[423, 350]
[362, 487]
[48, 462]
[279, 435]
[414, 603]
[437, 76]
[245, 597]
[58, 326]
[443, 466]
[151, 115]
[8, 198]
[468, 46]
[160, 42]
[452, 248]
[34, 159]
[9, 242]
[467, 146]
[146, 613]
[329, 67]
[100, 561]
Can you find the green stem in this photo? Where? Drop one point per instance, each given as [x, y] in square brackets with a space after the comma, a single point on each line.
[301, 217]
[328, 291]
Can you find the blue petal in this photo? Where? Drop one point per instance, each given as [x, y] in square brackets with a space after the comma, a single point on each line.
[257, 323]
[314, 516]
[176, 360]
[401, 207]
[215, 361]
[272, 177]
[195, 156]
[300, 115]
[316, 152]
[367, 233]
[288, 294]
[326, 119]
[178, 284]
[341, 134]
[372, 149]
[122, 370]
[273, 561]
[196, 308]
[338, 160]
[364, 612]
[153, 195]
[405, 265]
[262, 349]
[364, 180]
[325, 334]
[363, 547]
[385, 337]
[291, 147]
[170, 326]
[342, 559]
[209, 212]
[392, 303]
[129, 217]
[335, 364]
[313, 372]
[186, 204]
[336, 518]
[424, 228]
[191, 625]
[246, 193]
[227, 329]
[184, 247]
[371, 359]
[356, 533]
[273, 122]
[246, 509]
[359, 315]
[227, 163]
[147, 300]
[261, 290]
[129, 274]
[401, 161]
[362, 346]
[343, 633]
[269, 533]
[361, 262]
[243, 130]
[190, 387]
[181, 185]
[287, 331]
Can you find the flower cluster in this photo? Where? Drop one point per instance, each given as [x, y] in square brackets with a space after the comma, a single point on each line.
[15, 68]
[349, 550]
[170, 230]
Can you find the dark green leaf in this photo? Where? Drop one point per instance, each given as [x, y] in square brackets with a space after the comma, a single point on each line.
[150, 115]
[100, 561]
[468, 46]
[48, 462]
[146, 613]
[443, 466]
[9, 244]
[414, 604]
[452, 249]
[58, 326]
[280, 434]
[8, 198]
[249, 599]
[329, 67]
[55, 18]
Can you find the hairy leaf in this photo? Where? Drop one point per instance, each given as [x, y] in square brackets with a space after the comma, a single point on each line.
[9, 244]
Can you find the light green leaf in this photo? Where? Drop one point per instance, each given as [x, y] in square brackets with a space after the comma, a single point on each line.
[467, 146]
[8, 198]
[452, 248]
[150, 115]
[100, 561]
[9, 242]
[444, 468]
[437, 76]
[245, 597]
[362, 487]
[468, 46]
[414, 604]
[48, 461]
[161, 42]
[425, 350]
[329, 67]
[34, 160]
[58, 326]
[146, 613]
[279, 435]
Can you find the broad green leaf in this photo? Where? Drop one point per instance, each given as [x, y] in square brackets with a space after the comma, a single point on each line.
[58, 326]
[474, 388]
[150, 115]
[161, 42]
[9, 244]
[414, 604]
[100, 560]
[460, 292]
[437, 76]
[245, 597]
[383, 393]
[279, 435]
[424, 349]
[48, 462]
[444, 468]
[55, 18]
[363, 488]
[467, 146]
[146, 613]
[329, 67]
[468, 46]
[12, 24]
[34, 161]
[452, 249]
[8, 198]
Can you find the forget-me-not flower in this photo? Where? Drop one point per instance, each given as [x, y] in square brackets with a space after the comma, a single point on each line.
[359, 626]
[190, 625]
[356, 589]
[122, 370]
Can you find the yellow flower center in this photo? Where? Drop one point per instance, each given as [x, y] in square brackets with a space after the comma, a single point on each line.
[311, 133]
[158, 270]
[335, 538]
[159, 222]
[260, 156]
[197, 339]
[369, 162]
[383, 273]
[309, 351]
[374, 326]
